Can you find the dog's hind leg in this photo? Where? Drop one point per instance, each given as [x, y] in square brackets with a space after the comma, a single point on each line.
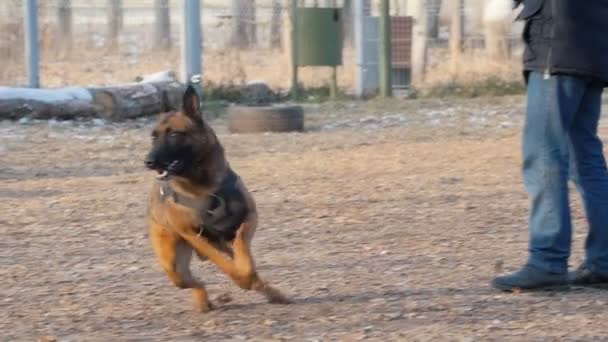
[241, 269]
[175, 255]
[246, 265]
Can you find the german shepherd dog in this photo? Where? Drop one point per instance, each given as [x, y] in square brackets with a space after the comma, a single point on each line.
[198, 203]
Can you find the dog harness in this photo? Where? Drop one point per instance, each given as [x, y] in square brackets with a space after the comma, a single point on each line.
[221, 213]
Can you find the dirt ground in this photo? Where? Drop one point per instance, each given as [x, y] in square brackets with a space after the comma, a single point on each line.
[385, 221]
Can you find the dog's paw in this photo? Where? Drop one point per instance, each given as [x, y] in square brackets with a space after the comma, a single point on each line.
[275, 296]
[205, 307]
[201, 301]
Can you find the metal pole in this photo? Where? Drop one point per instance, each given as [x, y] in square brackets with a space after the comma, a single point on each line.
[191, 44]
[385, 50]
[294, 51]
[358, 17]
[31, 43]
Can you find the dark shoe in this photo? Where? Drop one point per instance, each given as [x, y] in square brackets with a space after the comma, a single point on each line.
[583, 276]
[530, 278]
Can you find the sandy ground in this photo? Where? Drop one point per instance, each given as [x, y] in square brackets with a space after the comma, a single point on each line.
[384, 221]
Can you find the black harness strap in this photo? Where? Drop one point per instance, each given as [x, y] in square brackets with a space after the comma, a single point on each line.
[221, 213]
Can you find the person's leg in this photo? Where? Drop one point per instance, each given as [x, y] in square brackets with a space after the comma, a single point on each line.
[589, 172]
[551, 106]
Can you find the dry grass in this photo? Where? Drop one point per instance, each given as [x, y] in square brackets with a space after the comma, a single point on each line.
[472, 66]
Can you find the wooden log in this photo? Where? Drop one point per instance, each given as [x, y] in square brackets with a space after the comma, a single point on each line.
[61, 103]
[151, 95]
[18, 108]
[137, 99]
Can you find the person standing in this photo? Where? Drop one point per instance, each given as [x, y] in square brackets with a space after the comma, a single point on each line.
[566, 70]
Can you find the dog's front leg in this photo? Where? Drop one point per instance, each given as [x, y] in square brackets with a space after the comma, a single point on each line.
[174, 255]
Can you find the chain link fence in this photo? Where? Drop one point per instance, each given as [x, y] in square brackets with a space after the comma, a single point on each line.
[94, 41]
[102, 42]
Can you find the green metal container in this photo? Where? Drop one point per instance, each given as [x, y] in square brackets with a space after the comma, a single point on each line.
[318, 35]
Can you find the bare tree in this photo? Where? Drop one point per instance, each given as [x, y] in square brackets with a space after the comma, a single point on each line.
[434, 8]
[347, 21]
[419, 40]
[251, 24]
[276, 24]
[243, 23]
[115, 18]
[162, 27]
[456, 31]
[64, 18]
[496, 27]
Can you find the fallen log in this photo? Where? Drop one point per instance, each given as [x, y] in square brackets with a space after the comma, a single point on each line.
[62, 103]
[151, 95]
[137, 99]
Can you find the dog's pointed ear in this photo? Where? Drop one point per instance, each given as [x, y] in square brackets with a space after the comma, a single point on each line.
[192, 105]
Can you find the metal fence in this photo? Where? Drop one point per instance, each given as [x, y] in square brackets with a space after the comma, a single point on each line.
[84, 42]
[93, 42]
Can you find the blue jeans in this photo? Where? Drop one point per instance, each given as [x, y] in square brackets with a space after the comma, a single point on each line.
[560, 141]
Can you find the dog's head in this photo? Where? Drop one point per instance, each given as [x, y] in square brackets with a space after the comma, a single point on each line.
[180, 139]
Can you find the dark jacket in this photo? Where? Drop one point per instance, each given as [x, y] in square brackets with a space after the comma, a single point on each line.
[566, 37]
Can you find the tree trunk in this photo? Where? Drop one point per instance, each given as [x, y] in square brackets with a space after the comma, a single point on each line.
[15, 109]
[419, 41]
[496, 40]
[243, 23]
[347, 22]
[64, 18]
[433, 19]
[251, 24]
[114, 17]
[456, 33]
[148, 97]
[496, 27]
[154, 94]
[162, 32]
[276, 25]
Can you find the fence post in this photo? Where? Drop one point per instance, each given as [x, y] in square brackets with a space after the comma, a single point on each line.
[31, 43]
[191, 48]
[358, 17]
[385, 61]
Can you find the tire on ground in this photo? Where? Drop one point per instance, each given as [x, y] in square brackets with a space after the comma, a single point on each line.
[254, 119]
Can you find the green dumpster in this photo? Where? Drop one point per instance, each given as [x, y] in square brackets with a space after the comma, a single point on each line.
[318, 36]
